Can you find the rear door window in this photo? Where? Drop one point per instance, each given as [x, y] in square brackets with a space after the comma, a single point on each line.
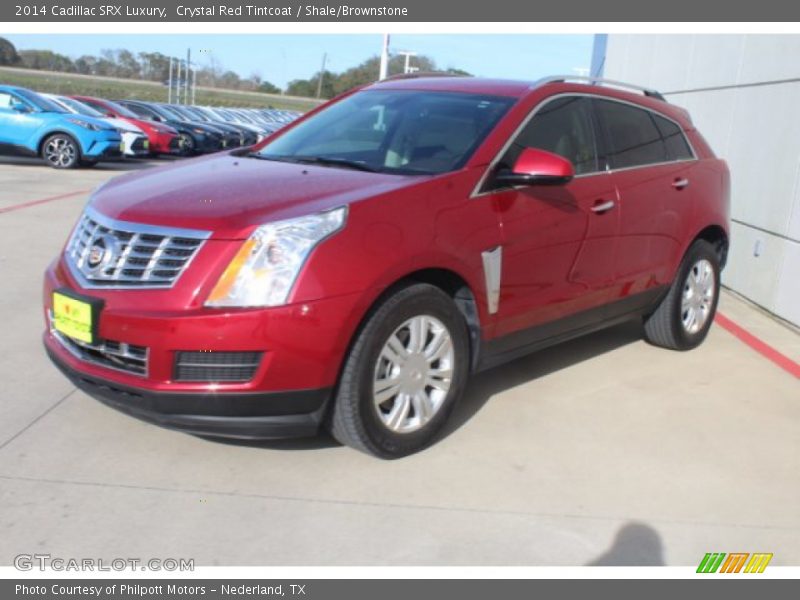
[632, 137]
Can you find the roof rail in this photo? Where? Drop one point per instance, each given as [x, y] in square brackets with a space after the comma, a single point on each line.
[418, 74]
[651, 93]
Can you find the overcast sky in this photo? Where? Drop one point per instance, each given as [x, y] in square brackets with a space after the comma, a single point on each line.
[281, 58]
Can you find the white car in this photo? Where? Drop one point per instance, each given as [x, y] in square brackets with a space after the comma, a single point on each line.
[134, 140]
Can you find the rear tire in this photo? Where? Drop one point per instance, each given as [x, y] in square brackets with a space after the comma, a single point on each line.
[406, 370]
[684, 316]
[61, 151]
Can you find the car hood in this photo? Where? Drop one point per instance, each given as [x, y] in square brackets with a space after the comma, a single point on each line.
[230, 195]
[123, 125]
[73, 117]
[194, 125]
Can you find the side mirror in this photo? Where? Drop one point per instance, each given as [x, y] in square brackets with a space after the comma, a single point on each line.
[20, 107]
[537, 167]
[157, 118]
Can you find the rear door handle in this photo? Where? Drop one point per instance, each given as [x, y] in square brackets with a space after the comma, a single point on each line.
[679, 184]
[602, 207]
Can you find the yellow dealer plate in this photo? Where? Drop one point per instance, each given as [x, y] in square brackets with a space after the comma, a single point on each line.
[73, 318]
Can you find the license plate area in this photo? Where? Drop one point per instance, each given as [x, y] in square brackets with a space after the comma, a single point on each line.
[76, 316]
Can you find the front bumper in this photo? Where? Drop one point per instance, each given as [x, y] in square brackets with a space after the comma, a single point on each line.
[301, 350]
[135, 144]
[104, 150]
[270, 415]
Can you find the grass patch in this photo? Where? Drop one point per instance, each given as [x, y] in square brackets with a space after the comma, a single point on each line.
[121, 89]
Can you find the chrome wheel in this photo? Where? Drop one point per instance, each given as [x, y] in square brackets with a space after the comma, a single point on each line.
[413, 374]
[60, 152]
[698, 296]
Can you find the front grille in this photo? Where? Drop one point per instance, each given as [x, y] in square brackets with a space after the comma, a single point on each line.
[108, 353]
[138, 144]
[216, 366]
[104, 253]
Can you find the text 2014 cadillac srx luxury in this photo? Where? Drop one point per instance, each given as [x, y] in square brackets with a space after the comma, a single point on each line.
[352, 270]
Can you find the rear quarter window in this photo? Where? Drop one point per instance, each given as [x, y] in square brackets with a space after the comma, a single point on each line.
[674, 139]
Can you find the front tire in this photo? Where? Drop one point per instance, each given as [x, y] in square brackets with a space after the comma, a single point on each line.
[61, 151]
[188, 145]
[405, 372]
[684, 316]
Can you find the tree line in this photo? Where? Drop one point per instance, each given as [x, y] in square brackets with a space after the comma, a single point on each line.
[154, 66]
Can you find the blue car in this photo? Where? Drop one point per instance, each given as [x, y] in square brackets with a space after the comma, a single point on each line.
[31, 125]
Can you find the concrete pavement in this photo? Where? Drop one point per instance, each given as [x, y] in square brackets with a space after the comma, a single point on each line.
[604, 450]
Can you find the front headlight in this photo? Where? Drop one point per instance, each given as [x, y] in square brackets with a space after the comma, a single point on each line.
[264, 270]
[86, 124]
[200, 131]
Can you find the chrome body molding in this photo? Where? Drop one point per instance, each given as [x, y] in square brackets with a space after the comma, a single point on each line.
[492, 269]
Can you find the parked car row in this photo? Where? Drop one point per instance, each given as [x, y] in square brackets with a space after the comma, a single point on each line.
[73, 131]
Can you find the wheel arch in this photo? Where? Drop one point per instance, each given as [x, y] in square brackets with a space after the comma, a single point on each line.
[451, 283]
[62, 131]
[718, 238]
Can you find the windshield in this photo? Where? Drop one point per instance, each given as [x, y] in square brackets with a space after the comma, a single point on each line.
[40, 102]
[117, 108]
[165, 112]
[79, 107]
[394, 131]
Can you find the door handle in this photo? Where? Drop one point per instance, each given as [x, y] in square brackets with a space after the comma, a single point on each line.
[679, 184]
[602, 207]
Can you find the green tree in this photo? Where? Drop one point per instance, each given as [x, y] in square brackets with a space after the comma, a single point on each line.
[8, 53]
[367, 72]
[269, 88]
[46, 60]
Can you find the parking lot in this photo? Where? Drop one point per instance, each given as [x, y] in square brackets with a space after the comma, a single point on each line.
[604, 450]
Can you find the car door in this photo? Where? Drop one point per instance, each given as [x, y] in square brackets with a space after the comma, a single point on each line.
[16, 128]
[650, 162]
[558, 241]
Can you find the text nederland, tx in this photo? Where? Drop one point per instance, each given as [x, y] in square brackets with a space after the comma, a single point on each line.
[172, 589]
[111, 10]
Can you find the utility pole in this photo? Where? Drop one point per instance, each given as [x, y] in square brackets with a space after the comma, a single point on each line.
[407, 67]
[321, 75]
[178, 83]
[188, 74]
[194, 85]
[384, 57]
[169, 94]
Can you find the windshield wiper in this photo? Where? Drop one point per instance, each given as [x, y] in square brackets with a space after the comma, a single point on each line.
[318, 160]
[334, 162]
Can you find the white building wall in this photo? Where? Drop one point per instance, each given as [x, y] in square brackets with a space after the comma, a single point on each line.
[743, 92]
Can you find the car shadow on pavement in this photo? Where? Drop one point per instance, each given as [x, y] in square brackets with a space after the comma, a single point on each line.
[635, 545]
[483, 386]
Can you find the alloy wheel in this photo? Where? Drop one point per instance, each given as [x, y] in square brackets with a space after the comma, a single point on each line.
[60, 152]
[413, 374]
[698, 296]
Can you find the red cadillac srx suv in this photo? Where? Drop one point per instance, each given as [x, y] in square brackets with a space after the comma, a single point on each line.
[352, 270]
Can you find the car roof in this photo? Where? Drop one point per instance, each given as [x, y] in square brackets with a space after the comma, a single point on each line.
[470, 85]
[519, 89]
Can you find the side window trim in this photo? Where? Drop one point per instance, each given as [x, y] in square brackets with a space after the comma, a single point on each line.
[599, 136]
[605, 144]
